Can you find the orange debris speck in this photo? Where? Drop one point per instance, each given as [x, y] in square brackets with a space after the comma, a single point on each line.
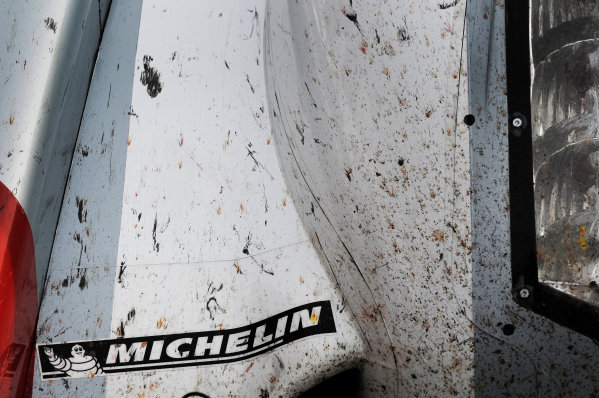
[268, 141]
[129, 142]
[181, 140]
[145, 343]
[438, 235]
[301, 280]
[249, 367]
[218, 211]
[180, 164]
[284, 202]
[11, 120]
[241, 208]
[583, 243]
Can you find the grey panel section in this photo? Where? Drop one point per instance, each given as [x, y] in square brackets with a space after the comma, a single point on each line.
[77, 300]
[540, 358]
[45, 74]
[45, 217]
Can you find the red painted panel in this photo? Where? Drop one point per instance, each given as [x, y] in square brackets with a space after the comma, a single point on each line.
[18, 297]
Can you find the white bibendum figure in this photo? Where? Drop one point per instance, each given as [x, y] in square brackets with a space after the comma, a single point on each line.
[78, 365]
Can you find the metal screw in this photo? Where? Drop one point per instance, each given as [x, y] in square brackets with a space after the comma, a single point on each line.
[524, 293]
[517, 122]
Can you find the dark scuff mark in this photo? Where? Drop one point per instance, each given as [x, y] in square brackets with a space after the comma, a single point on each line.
[265, 199]
[300, 130]
[352, 15]
[83, 280]
[402, 34]
[65, 282]
[212, 308]
[348, 174]
[313, 102]
[378, 38]
[259, 264]
[173, 56]
[212, 289]
[85, 151]
[132, 113]
[165, 226]
[246, 251]
[227, 65]
[80, 255]
[120, 331]
[257, 163]
[255, 23]
[66, 384]
[131, 315]
[50, 24]
[311, 209]
[121, 272]
[281, 364]
[139, 217]
[248, 243]
[156, 245]
[450, 4]
[81, 214]
[247, 77]
[150, 77]
[109, 92]
[264, 393]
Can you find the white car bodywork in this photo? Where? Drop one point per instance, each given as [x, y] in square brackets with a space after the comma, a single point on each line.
[236, 160]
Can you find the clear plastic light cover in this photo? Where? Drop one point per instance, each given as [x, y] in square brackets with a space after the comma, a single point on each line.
[565, 131]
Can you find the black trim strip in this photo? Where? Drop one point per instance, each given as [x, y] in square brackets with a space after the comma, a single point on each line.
[522, 211]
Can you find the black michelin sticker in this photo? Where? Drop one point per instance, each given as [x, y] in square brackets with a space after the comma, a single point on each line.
[104, 357]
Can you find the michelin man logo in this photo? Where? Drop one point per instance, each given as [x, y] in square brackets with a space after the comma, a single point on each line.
[78, 365]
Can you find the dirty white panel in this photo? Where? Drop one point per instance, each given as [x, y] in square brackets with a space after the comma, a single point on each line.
[49, 53]
[77, 301]
[364, 102]
[210, 238]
